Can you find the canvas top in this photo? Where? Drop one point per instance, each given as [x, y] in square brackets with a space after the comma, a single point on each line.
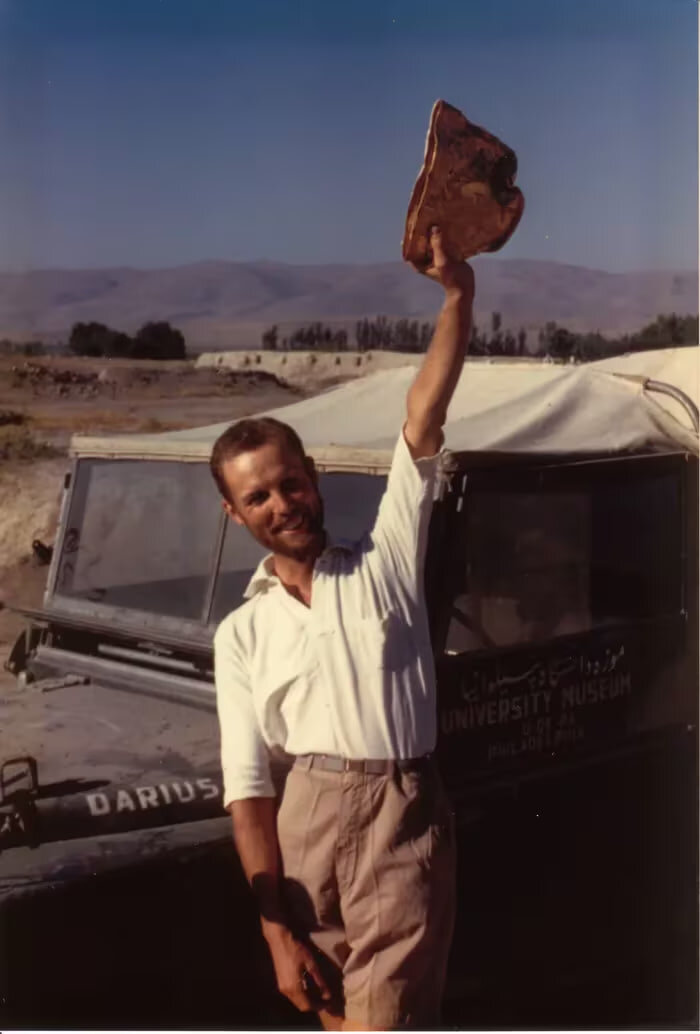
[499, 406]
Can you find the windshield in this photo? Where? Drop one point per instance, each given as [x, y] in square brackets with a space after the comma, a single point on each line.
[144, 536]
[141, 535]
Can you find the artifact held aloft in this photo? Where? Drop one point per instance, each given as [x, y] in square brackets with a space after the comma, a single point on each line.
[466, 186]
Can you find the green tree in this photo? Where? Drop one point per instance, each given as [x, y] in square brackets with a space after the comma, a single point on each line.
[495, 344]
[269, 340]
[477, 341]
[92, 339]
[562, 344]
[426, 335]
[665, 330]
[158, 340]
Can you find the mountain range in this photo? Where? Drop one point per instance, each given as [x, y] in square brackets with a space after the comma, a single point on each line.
[221, 305]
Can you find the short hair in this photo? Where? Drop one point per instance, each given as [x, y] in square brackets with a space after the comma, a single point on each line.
[246, 435]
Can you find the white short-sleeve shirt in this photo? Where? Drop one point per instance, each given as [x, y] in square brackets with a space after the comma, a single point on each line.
[351, 675]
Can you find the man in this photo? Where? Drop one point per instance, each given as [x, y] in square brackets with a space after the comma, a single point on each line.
[329, 660]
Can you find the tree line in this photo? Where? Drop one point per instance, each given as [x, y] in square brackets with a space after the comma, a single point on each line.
[24, 348]
[553, 341]
[663, 332]
[379, 333]
[154, 340]
[316, 337]
[160, 340]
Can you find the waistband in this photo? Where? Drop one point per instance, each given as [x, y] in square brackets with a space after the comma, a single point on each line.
[330, 763]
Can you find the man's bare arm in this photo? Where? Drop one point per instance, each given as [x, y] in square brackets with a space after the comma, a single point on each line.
[255, 835]
[430, 393]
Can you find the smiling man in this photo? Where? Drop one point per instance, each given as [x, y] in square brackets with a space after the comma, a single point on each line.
[329, 661]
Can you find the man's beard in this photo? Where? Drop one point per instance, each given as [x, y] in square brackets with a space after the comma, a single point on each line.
[314, 538]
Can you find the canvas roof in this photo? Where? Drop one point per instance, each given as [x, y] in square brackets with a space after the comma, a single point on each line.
[499, 407]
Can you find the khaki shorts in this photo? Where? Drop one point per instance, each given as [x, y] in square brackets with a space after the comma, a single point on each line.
[369, 877]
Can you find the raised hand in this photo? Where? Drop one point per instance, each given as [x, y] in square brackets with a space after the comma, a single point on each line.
[457, 278]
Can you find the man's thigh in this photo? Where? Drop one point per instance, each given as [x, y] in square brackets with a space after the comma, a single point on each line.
[369, 867]
[307, 823]
[398, 905]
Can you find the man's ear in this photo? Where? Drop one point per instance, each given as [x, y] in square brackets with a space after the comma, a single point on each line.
[231, 511]
[311, 469]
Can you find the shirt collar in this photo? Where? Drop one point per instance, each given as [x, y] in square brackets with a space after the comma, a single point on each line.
[264, 576]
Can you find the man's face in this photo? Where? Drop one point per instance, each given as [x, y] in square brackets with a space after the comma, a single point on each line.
[274, 494]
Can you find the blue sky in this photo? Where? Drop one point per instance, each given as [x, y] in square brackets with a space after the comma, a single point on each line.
[159, 132]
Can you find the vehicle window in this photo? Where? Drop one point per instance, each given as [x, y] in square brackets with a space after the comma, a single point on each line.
[351, 503]
[536, 565]
[141, 536]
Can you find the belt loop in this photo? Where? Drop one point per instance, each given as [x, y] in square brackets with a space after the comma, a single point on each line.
[305, 762]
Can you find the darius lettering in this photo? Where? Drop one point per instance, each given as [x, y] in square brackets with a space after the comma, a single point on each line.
[143, 798]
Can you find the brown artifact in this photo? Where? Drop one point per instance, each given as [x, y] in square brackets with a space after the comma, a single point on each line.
[465, 187]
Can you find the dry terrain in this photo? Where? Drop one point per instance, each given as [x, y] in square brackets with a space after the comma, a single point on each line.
[60, 396]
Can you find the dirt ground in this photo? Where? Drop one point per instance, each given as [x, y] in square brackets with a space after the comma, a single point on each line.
[44, 401]
[61, 396]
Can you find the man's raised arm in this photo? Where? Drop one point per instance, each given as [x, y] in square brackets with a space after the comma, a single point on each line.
[430, 393]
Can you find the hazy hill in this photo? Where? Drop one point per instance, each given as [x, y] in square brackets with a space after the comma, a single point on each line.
[228, 304]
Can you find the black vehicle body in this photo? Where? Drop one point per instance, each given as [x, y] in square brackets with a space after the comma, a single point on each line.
[563, 600]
